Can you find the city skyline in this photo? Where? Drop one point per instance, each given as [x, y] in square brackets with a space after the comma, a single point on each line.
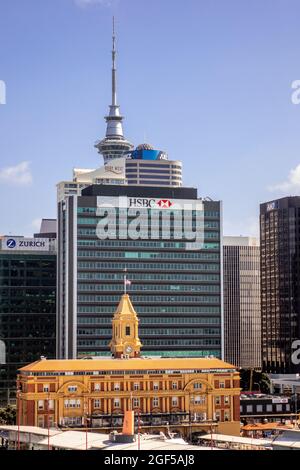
[226, 81]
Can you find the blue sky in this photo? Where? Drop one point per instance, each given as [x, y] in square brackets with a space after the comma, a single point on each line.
[208, 81]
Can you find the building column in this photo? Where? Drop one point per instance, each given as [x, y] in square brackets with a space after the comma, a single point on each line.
[210, 410]
[148, 405]
[105, 405]
[186, 399]
[109, 405]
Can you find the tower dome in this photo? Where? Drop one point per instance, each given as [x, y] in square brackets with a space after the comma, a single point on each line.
[144, 147]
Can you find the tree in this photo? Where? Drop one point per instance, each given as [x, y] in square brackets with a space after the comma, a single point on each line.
[8, 415]
[260, 381]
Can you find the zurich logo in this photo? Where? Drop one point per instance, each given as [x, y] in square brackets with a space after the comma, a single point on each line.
[11, 243]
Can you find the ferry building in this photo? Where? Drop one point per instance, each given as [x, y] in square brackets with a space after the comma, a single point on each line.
[183, 394]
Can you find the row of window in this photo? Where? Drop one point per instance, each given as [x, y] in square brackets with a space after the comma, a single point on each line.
[150, 287]
[148, 276]
[143, 244]
[158, 342]
[207, 299]
[92, 231]
[153, 331]
[133, 371]
[151, 165]
[152, 320]
[146, 255]
[270, 408]
[154, 309]
[93, 210]
[196, 400]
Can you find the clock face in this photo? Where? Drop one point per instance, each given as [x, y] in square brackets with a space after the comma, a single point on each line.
[128, 349]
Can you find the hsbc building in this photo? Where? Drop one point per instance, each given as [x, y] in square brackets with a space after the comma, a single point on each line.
[168, 240]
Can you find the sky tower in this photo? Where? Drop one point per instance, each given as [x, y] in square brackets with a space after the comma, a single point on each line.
[114, 145]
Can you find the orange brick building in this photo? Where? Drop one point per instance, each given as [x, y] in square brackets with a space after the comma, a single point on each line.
[176, 392]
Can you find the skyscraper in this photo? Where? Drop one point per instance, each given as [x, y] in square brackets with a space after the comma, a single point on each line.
[242, 316]
[177, 290]
[280, 283]
[28, 304]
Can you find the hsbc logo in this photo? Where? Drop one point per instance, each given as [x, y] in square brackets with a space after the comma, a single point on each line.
[150, 203]
[164, 203]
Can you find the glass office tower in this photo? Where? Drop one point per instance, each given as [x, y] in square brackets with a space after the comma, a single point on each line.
[280, 284]
[27, 306]
[176, 290]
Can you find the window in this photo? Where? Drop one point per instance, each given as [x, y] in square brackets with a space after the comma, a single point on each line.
[136, 386]
[51, 404]
[41, 404]
[269, 408]
[117, 386]
[278, 407]
[117, 402]
[72, 403]
[222, 384]
[217, 415]
[127, 333]
[217, 400]
[72, 388]
[259, 408]
[249, 408]
[40, 421]
[136, 402]
[226, 400]
[97, 403]
[155, 386]
[199, 400]
[51, 421]
[174, 401]
[174, 385]
[227, 416]
[197, 385]
[46, 388]
[155, 401]
[287, 407]
[97, 387]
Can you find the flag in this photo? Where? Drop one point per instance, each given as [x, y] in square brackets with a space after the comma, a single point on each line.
[127, 282]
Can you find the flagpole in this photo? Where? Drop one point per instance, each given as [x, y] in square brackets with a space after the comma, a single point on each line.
[125, 280]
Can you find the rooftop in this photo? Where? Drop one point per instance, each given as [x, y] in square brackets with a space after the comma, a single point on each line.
[141, 363]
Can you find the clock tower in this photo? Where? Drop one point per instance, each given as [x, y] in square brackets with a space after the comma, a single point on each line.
[125, 338]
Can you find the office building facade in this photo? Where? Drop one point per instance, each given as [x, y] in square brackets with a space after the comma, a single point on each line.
[28, 306]
[242, 314]
[280, 284]
[177, 290]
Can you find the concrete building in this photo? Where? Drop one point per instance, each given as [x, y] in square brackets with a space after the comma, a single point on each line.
[242, 315]
[190, 394]
[28, 306]
[175, 282]
[280, 284]
[258, 407]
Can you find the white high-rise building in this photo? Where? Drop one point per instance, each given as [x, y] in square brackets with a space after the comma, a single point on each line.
[242, 313]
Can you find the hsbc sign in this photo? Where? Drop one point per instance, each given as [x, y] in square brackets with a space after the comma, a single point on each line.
[150, 203]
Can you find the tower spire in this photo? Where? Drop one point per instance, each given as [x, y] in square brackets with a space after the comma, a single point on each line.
[113, 52]
[114, 145]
